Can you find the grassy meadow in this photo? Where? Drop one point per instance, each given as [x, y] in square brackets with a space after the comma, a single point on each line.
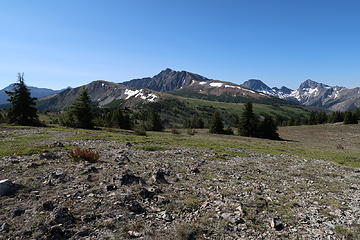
[333, 142]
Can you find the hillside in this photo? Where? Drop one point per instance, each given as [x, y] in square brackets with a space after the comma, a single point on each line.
[101, 93]
[175, 110]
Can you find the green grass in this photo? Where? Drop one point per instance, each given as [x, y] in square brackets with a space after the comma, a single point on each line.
[306, 141]
[23, 145]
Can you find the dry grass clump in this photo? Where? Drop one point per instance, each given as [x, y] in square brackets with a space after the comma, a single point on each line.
[175, 131]
[87, 155]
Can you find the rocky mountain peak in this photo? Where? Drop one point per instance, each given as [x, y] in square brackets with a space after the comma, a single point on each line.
[257, 85]
[311, 84]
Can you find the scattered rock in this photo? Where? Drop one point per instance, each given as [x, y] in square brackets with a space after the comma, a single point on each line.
[61, 215]
[58, 173]
[111, 187]
[57, 233]
[129, 178]
[8, 188]
[4, 227]
[48, 156]
[88, 218]
[122, 158]
[91, 169]
[166, 216]
[233, 218]
[135, 207]
[27, 234]
[84, 233]
[195, 170]
[134, 234]
[159, 177]
[145, 193]
[56, 144]
[18, 212]
[48, 206]
[276, 224]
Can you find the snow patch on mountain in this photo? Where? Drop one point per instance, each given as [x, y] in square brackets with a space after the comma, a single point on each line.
[216, 84]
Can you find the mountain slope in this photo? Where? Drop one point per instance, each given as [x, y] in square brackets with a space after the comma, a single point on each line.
[35, 92]
[101, 92]
[166, 80]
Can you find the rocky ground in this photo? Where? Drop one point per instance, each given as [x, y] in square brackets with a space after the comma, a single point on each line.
[177, 193]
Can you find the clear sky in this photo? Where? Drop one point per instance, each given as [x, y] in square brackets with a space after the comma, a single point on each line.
[62, 43]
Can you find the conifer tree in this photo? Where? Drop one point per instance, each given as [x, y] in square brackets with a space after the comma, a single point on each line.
[155, 123]
[216, 125]
[248, 121]
[350, 118]
[23, 107]
[268, 129]
[80, 113]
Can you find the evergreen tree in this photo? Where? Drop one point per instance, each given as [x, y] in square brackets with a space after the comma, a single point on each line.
[154, 121]
[248, 121]
[117, 117]
[23, 107]
[80, 113]
[268, 129]
[312, 118]
[350, 118]
[2, 117]
[321, 117]
[216, 125]
[336, 117]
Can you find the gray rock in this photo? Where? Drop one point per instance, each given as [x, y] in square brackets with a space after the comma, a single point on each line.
[4, 227]
[276, 224]
[166, 216]
[61, 215]
[48, 206]
[159, 177]
[18, 212]
[129, 178]
[8, 188]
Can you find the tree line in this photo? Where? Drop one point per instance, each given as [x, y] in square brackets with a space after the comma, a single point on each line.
[320, 117]
[249, 125]
[83, 113]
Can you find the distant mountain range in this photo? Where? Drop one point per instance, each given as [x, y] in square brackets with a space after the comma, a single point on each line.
[169, 83]
[311, 93]
[35, 92]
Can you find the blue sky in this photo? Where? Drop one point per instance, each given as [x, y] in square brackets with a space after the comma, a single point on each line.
[64, 43]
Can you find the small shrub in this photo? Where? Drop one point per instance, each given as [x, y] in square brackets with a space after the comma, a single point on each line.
[175, 131]
[191, 131]
[87, 155]
[185, 231]
[339, 146]
[229, 131]
[140, 131]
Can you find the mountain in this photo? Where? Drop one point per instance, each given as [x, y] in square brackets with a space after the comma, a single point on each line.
[166, 80]
[258, 86]
[314, 94]
[101, 92]
[35, 92]
[335, 98]
[191, 85]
